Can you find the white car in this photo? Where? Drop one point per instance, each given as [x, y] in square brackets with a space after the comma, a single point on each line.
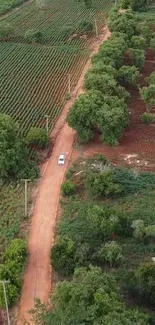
[61, 160]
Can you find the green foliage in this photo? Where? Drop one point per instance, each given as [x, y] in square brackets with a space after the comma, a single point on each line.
[85, 26]
[37, 137]
[102, 82]
[63, 256]
[138, 5]
[100, 68]
[148, 96]
[6, 30]
[139, 229]
[137, 58]
[68, 188]
[6, 5]
[138, 42]
[146, 32]
[151, 79]
[111, 253]
[102, 184]
[16, 251]
[33, 36]
[14, 160]
[128, 75]
[124, 23]
[14, 259]
[152, 43]
[142, 283]
[147, 118]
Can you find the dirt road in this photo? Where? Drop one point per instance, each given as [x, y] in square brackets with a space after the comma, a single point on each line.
[37, 279]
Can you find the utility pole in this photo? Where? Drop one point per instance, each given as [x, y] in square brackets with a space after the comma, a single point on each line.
[3, 282]
[96, 29]
[26, 180]
[69, 83]
[47, 123]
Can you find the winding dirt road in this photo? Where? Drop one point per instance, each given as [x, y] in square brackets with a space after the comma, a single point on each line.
[37, 279]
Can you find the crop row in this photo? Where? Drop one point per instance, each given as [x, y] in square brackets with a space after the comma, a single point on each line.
[34, 81]
[56, 18]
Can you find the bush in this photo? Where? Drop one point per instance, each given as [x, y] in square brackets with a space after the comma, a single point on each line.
[33, 36]
[12, 293]
[37, 137]
[85, 27]
[68, 188]
[111, 253]
[148, 96]
[63, 256]
[16, 251]
[151, 79]
[147, 118]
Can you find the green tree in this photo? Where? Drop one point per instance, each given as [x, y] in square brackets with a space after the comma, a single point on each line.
[37, 137]
[139, 229]
[111, 253]
[124, 24]
[85, 26]
[128, 317]
[145, 283]
[68, 188]
[148, 96]
[151, 79]
[81, 116]
[14, 160]
[63, 256]
[137, 58]
[6, 30]
[100, 68]
[128, 75]
[33, 36]
[152, 43]
[104, 83]
[138, 42]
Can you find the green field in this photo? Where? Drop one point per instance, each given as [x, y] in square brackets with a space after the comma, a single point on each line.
[34, 77]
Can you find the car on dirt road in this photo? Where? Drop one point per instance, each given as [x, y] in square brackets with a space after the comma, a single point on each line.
[61, 160]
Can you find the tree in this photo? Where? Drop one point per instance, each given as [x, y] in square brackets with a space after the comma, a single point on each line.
[37, 137]
[148, 96]
[128, 75]
[63, 256]
[145, 283]
[128, 317]
[81, 116]
[137, 57]
[152, 43]
[85, 26]
[14, 159]
[68, 188]
[151, 79]
[101, 184]
[6, 31]
[124, 24]
[139, 229]
[33, 36]
[111, 253]
[100, 68]
[138, 42]
[104, 83]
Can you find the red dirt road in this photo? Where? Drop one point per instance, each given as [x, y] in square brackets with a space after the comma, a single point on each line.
[37, 279]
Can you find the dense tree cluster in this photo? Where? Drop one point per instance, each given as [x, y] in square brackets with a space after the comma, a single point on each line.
[103, 106]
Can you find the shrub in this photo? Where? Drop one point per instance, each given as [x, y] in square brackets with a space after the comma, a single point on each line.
[139, 229]
[62, 256]
[16, 251]
[85, 26]
[148, 96]
[37, 137]
[151, 79]
[147, 118]
[111, 253]
[33, 36]
[68, 188]
[12, 293]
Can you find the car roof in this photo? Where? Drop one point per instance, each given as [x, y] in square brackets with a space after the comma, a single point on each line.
[62, 156]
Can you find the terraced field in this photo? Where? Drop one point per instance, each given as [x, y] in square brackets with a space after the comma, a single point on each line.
[35, 77]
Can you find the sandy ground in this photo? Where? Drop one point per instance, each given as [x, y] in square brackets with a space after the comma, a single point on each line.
[38, 273]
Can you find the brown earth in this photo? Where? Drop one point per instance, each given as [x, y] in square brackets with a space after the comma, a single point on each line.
[37, 279]
[137, 146]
